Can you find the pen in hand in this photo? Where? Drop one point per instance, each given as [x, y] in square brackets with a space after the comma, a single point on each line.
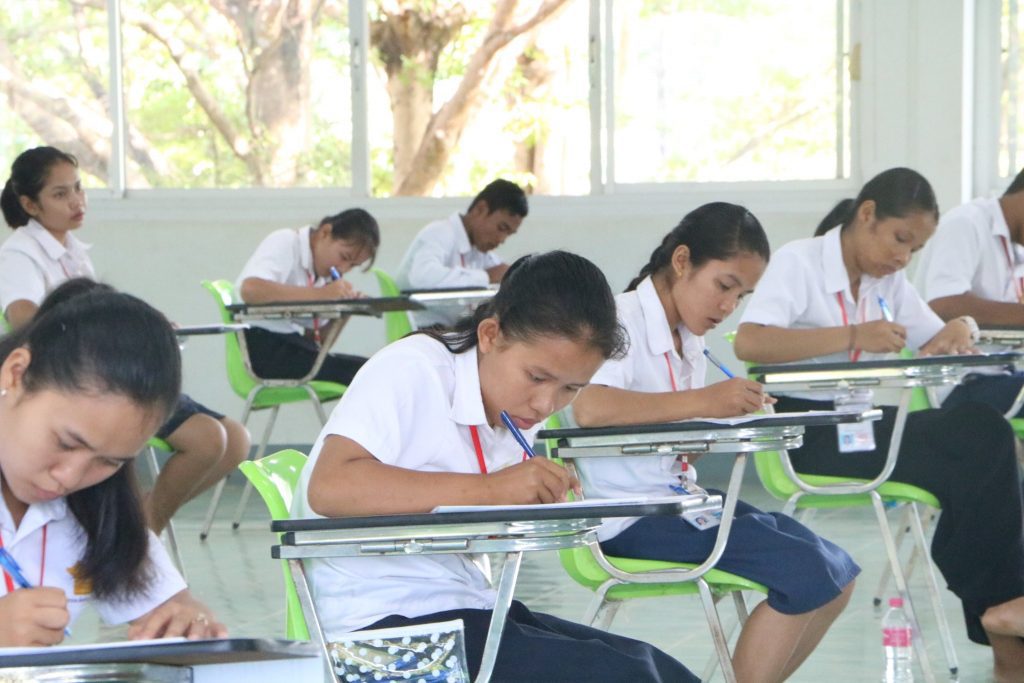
[886, 311]
[718, 364]
[10, 565]
[335, 275]
[517, 434]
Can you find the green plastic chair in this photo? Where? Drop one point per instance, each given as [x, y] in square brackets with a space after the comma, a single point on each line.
[274, 477]
[259, 394]
[397, 324]
[4, 327]
[152, 446]
[584, 566]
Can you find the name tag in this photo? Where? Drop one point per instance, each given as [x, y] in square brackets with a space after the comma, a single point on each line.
[858, 436]
[698, 519]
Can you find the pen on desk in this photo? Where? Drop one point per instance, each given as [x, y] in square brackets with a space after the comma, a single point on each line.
[10, 565]
[718, 364]
[335, 275]
[517, 434]
[886, 311]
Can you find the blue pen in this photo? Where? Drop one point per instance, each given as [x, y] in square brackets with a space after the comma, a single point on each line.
[335, 275]
[718, 364]
[886, 311]
[10, 566]
[517, 434]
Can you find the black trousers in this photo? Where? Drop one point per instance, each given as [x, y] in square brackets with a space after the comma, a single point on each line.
[998, 391]
[540, 648]
[289, 356]
[964, 456]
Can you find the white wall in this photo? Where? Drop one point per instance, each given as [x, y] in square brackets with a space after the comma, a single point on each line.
[911, 112]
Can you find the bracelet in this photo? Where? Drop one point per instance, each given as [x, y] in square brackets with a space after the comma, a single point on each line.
[972, 327]
[853, 338]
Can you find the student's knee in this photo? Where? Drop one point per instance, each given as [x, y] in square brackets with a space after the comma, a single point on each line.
[201, 436]
[238, 441]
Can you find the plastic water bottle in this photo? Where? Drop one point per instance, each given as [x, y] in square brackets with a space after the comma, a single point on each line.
[896, 639]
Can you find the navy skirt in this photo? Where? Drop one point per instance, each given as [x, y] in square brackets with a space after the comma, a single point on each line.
[186, 408]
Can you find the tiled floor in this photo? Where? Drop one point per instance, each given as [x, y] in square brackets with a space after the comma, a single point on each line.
[234, 574]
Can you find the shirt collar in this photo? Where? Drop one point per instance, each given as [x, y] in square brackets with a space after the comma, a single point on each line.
[54, 249]
[467, 400]
[36, 517]
[306, 250]
[998, 221]
[461, 236]
[659, 334]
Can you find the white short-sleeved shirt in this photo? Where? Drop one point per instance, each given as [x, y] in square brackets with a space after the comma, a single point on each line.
[971, 252]
[284, 256]
[646, 366]
[33, 262]
[441, 256]
[804, 283]
[410, 406]
[52, 565]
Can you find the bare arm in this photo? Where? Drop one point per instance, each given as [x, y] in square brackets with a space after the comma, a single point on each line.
[769, 344]
[984, 311]
[256, 290]
[598, 405]
[348, 481]
[20, 312]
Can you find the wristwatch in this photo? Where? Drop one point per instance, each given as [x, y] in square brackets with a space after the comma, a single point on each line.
[972, 326]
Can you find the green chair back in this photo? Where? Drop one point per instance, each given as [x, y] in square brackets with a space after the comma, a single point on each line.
[241, 380]
[396, 323]
[275, 478]
[4, 327]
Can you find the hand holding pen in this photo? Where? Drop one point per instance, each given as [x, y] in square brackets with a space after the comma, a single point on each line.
[341, 289]
[534, 480]
[31, 615]
[736, 396]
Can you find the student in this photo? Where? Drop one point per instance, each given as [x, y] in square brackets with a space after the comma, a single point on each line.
[295, 265]
[974, 266]
[43, 202]
[459, 250]
[82, 387]
[693, 281]
[819, 301]
[420, 427]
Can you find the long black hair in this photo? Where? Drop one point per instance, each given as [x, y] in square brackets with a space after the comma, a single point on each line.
[87, 338]
[897, 193]
[716, 231]
[28, 176]
[554, 294]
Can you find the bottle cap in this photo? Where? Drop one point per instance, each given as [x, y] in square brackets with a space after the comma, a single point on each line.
[895, 602]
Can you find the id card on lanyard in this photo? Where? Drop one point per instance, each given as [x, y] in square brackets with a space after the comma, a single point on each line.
[859, 436]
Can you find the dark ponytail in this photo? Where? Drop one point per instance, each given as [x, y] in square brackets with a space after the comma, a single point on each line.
[716, 231]
[95, 340]
[897, 193]
[357, 226]
[28, 176]
[555, 294]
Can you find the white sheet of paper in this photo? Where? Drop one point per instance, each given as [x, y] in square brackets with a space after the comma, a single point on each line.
[4, 651]
[589, 502]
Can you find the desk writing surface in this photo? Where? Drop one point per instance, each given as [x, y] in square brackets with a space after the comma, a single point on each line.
[215, 328]
[381, 304]
[504, 514]
[174, 652]
[965, 360]
[446, 290]
[815, 418]
[1002, 328]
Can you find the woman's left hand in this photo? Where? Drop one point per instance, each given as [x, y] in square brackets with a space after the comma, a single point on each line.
[181, 615]
[953, 338]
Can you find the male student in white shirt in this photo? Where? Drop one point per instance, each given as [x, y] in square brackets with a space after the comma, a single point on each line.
[974, 266]
[458, 251]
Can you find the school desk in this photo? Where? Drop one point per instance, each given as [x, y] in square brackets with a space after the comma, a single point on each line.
[214, 328]
[229, 660]
[511, 530]
[471, 297]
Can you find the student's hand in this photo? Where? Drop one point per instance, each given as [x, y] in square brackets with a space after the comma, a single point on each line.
[731, 398]
[953, 338]
[33, 617]
[341, 289]
[495, 273]
[535, 480]
[879, 336]
[181, 615]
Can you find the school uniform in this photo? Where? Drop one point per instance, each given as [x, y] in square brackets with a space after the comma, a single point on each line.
[33, 262]
[802, 570]
[418, 406]
[971, 252]
[287, 349]
[441, 256]
[963, 455]
[48, 544]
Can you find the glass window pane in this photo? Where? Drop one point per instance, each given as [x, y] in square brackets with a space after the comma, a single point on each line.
[727, 91]
[54, 78]
[237, 93]
[1011, 118]
[525, 119]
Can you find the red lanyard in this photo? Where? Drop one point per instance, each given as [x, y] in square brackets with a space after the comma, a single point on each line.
[462, 258]
[479, 449]
[671, 375]
[1018, 282]
[42, 564]
[316, 320]
[854, 353]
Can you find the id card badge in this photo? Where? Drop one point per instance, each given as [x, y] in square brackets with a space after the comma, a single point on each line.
[699, 519]
[858, 436]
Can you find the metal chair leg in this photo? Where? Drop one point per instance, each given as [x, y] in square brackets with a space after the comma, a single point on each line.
[172, 541]
[934, 592]
[883, 580]
[260, 452]
[600, 607]
[717, 633]
[218, 491]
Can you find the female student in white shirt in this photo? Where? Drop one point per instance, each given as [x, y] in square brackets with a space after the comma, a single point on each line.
[296, 265]
[43, 202]
[819, 301]
[82, 386]
[694, 280]
[419, 427]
